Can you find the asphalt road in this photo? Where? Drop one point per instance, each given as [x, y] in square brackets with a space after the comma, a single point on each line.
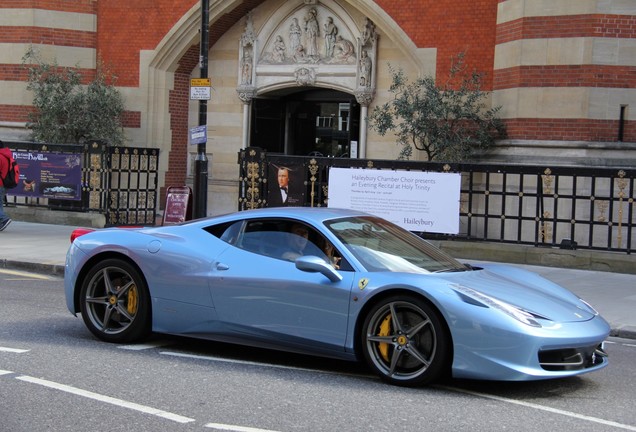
[55, 376]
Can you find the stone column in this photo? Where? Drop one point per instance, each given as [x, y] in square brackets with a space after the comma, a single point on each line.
[246, 94]
[364, 98]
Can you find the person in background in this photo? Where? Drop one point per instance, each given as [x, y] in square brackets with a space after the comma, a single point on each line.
[329, 250]
[297, 242]
[5, 158]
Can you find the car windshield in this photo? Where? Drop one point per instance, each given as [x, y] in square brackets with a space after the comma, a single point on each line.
[380, 245]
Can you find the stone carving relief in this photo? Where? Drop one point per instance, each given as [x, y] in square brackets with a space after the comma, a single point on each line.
[306, 45]
[306, 41]
[305, 76]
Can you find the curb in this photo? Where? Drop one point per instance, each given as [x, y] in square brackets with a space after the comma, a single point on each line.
[624, 332]
[49, 269]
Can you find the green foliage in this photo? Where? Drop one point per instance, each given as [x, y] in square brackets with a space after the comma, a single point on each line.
[68, 112]
[449, 122]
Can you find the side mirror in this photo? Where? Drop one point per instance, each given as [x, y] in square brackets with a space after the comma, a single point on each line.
[314, 264]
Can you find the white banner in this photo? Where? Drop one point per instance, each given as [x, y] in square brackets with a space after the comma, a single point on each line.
[414, 200]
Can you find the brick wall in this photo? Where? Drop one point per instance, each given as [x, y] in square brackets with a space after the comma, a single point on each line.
[614, 26]
[451, 26]
[569, 129]
[23, 34]
[80, 6]
[563, 52]
[124, 28]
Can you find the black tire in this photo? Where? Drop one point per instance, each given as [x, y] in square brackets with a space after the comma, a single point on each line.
[404, 341]
[115, 302]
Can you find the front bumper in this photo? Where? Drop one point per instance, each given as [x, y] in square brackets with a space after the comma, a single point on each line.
[521, 353]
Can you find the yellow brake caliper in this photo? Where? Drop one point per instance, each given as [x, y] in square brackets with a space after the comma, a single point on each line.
[132, 300]
[385, 330]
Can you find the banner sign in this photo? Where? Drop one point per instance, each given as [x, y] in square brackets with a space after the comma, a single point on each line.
[49, 175]
[414, 200]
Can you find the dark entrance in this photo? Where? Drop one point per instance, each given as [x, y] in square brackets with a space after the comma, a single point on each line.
[314, 122]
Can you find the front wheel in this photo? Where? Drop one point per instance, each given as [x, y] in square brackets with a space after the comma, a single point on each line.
[115, 303]
[404, 341]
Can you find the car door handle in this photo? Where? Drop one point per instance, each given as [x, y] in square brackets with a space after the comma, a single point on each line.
[221, 266]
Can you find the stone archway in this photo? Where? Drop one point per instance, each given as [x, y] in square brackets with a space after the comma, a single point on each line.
[311, 44]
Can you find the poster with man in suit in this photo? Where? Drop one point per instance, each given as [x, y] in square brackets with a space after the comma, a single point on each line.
[285, 189]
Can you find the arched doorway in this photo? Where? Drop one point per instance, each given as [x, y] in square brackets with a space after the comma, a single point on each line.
[321, 122]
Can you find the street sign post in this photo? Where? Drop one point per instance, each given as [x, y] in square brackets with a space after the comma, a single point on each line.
[201, 161]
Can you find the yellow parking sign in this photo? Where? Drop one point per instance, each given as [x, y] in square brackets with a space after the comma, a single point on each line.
[200, 88]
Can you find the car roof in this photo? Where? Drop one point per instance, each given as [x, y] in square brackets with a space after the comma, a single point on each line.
[313, 214]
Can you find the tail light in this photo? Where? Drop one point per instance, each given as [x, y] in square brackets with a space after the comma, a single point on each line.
[80, 232]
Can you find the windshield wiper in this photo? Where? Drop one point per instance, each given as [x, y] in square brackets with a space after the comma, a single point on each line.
[457, 269]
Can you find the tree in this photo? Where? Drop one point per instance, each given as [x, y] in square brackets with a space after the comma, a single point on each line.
[449, 122]
[67, 111]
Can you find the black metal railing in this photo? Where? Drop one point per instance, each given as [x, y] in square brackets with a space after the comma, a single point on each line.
[119, 182]
[557, 206]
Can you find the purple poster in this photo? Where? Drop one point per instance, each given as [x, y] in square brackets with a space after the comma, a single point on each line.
[48, 175]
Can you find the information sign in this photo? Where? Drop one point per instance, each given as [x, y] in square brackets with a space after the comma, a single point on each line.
[178, 205]
[200, 88]
[414, 200]
[49, 175]
[199, 135]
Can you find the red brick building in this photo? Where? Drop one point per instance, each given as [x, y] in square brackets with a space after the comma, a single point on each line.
[300, 76]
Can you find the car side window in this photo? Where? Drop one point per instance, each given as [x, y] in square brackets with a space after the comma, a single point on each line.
[265, 237]
[228, 232]
[279, 238]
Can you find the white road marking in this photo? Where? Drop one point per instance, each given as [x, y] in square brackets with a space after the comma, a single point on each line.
[5, 372]
[107, 399]
[225, 360]
[141, 347]
[13, 350]
[219, 426]
[544, 408]
[251, 363]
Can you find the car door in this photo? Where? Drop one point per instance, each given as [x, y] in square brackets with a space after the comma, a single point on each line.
[261, 296]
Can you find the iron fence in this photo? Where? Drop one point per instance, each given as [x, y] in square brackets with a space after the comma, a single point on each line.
[557, 206]
[119, 182]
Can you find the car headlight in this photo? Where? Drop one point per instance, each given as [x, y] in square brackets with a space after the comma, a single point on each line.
[477, 298]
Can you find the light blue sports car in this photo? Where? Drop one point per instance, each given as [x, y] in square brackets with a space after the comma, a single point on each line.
[335, 283]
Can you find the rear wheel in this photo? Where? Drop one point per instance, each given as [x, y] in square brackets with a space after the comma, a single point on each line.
[404, 341]
[115, 303]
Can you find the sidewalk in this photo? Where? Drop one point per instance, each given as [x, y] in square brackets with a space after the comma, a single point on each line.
[42, 248]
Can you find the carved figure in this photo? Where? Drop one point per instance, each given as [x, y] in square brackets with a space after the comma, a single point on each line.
[368, 33]
[278, 54]
[299, 56]
[246, 66]
[294, 36]
[330, 37]
[312, 30]
[343, 49]
[365, 69]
